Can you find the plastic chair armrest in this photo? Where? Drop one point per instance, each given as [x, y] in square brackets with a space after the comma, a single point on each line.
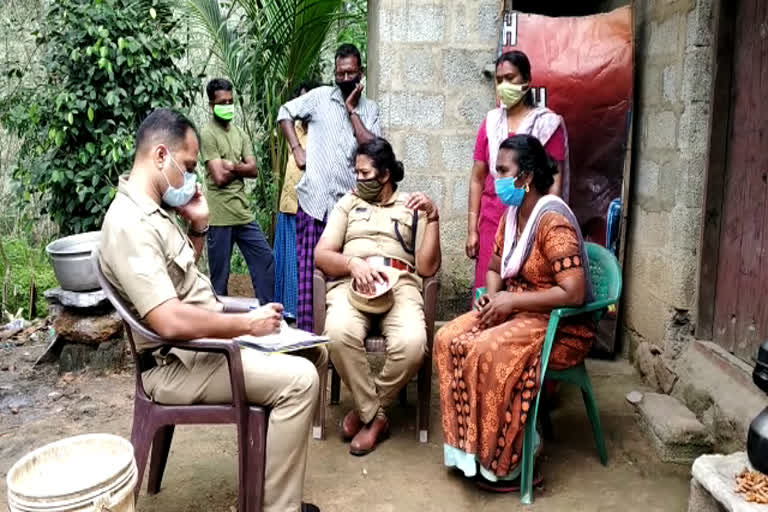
[231, 350]
[589, 308]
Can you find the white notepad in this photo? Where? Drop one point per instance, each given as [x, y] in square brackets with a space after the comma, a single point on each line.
[289, 339]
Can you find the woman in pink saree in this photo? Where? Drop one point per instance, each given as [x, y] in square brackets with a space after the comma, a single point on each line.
[516, 115]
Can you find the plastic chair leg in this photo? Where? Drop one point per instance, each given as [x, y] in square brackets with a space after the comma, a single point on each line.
[335, 387]
[318, 424]
[424, 396]
[255, 466]
[594, 418]
[142, 432]
[161, 446]
[403, 396]
[543, 416]
[526, 471]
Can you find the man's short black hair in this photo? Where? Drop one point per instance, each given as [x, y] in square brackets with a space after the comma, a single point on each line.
[349, 50]
[164, 126]
[217, 84]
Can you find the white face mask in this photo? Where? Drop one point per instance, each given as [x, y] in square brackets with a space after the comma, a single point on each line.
[179, 196]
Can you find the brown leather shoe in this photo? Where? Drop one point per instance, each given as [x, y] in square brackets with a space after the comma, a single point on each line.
[351, 425]
[366, 440]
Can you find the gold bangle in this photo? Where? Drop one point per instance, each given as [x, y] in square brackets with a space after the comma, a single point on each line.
[472, 213]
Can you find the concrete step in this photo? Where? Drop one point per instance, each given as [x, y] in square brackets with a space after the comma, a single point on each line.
[675, 432]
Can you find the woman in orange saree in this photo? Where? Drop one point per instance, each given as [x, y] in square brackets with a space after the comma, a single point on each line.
[488, 360]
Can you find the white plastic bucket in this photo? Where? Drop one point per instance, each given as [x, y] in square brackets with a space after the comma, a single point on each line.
[87, 473]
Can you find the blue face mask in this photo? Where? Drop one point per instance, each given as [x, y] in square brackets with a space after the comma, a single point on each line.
[179, 196]
[507, 192]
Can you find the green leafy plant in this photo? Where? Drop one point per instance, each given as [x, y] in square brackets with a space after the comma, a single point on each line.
[108, 63]
[354, 28]
[267, 48]
[24, 269]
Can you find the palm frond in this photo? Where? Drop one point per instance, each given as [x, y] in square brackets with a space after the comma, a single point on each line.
[226, 46]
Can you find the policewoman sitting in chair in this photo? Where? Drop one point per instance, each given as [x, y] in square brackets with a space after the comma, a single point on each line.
[375, 249]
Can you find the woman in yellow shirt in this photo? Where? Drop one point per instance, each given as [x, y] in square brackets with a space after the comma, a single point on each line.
[286, 273]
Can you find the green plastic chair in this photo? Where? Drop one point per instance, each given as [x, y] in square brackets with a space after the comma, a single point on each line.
[606, 286]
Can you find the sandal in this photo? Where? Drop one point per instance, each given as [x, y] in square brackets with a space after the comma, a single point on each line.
[504, 486]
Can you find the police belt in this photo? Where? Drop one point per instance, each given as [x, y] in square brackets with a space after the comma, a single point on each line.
[390, 262]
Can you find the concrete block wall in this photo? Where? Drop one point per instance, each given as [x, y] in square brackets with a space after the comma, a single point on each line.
[425, 69]
[426, 72]
[672, 119]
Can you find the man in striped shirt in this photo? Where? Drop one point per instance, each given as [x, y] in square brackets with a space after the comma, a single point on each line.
[339, 119]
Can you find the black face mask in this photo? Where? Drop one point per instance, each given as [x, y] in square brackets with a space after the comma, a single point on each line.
[348, 86]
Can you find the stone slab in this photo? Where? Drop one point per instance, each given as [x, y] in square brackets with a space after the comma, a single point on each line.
[709, 379]
[67, 298]
[677, 435]
[716, 474]
[88, 329]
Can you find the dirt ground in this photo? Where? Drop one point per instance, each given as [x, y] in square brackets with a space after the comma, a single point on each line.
[38, 406]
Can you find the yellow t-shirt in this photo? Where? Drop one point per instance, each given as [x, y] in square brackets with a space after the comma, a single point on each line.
[288, 201]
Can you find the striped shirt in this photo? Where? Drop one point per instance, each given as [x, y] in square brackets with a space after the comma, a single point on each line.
[331, 145]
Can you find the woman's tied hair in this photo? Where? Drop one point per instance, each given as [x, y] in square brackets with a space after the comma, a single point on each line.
[532, 158]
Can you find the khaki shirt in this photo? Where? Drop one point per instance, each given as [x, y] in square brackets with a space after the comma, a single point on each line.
[229, 205]
[288, 201]
[363, 229]
[149, 259]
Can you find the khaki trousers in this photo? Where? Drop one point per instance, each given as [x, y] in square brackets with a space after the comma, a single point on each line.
[288, 384]
[403, 327]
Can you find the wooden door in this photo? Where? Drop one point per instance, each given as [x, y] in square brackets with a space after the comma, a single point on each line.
[741, 290]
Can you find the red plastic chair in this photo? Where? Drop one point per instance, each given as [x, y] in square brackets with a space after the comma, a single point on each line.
[154, 424]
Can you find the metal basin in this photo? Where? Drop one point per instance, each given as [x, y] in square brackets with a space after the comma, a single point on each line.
[71, 257]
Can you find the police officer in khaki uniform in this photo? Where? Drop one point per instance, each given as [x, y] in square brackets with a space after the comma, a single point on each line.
[151, 262]
[377, 226]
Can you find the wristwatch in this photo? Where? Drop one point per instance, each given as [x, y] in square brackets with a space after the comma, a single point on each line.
[193, 232]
